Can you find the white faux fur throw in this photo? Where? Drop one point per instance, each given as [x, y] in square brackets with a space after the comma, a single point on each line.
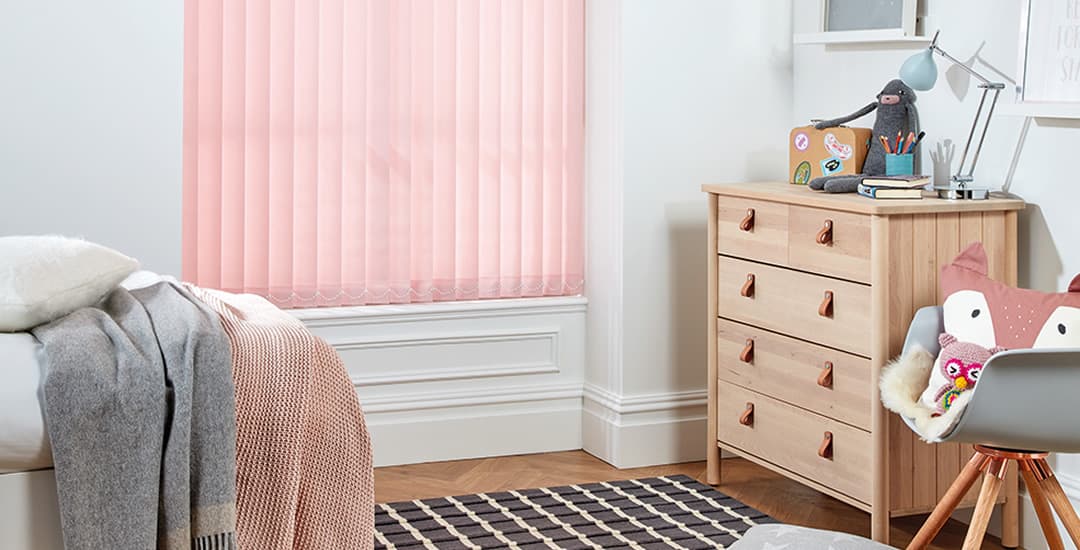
[903, 381]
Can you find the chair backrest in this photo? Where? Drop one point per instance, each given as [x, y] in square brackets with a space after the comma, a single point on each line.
[1026, 399]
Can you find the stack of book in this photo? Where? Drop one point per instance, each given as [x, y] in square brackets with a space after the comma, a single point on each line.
[894, 187]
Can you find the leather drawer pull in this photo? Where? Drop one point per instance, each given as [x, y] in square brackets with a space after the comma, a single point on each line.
[825, 450]
[825, 378]
[747, 290]
[747, 417]
[747, 355]
[826, 307]
[747, 223]
[824, 237]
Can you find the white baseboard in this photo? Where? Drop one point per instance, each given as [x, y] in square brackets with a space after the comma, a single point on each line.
[633, 431]
[459, 380]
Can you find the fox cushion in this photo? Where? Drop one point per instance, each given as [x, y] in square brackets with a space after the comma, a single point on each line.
[992, 314]
[983, 316]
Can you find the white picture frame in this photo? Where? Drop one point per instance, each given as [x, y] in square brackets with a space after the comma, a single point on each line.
[863, 19]
[1048, 65]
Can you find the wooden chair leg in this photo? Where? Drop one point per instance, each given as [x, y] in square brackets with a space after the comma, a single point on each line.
[1010, 511]
[992, 482]
[1042, 506]
[948, 503]
[1060, 502]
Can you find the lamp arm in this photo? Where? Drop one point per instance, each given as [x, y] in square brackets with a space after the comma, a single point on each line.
[960, 64]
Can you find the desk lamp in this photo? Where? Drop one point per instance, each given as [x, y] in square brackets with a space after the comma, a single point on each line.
[920, 72]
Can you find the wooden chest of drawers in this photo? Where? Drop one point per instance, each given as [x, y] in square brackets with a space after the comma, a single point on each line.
[809, 296]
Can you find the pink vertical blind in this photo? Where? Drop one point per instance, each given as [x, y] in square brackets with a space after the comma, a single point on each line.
[343, 152]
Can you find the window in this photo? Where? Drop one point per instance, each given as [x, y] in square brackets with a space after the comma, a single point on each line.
[342, 152]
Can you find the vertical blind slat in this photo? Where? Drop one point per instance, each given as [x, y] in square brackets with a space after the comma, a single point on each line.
[376, 198]
[445, 151]
[208, 171]
[353, 145]
[488, 149]
[510, 106]
[421, 120]
[305, 181]
[190, 193]
[399, 230]
[573, 266]
[467, 164]
[532, 182]
[232, 157]
[282, 133]
[256, 148]
[328, 237]
[551, 222]
[355, 151]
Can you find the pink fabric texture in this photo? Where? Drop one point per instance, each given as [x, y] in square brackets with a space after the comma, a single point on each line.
[304, 477]
[364, 151]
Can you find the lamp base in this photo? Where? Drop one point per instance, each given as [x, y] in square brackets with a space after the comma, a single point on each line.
[962, 192]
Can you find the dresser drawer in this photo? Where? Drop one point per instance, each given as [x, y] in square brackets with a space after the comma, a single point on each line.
[829, 382]
[829, 242]
[828, 311]
[752, 229]
[792, 438]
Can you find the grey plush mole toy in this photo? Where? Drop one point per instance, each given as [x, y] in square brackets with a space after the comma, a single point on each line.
[895, 113]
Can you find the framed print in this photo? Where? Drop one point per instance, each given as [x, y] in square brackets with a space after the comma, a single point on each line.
[1049, 50]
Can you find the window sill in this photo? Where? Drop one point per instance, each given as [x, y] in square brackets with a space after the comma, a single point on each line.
[363, 315]
[868, 38]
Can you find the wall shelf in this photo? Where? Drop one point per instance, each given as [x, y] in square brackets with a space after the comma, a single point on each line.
[882, 36]
[1041, 110]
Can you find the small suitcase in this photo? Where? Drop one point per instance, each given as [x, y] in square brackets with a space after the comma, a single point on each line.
[833, 151]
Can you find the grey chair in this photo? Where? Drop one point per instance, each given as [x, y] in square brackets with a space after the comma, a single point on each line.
[1003, 428]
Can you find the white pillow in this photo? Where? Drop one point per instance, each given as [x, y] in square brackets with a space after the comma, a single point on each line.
[44, 278]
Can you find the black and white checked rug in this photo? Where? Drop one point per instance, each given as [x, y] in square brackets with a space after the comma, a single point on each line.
[659, 512]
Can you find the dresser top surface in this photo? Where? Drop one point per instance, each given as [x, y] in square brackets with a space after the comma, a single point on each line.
[853, 202]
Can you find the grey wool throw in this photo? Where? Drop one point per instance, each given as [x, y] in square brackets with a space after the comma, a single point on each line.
[139, 404]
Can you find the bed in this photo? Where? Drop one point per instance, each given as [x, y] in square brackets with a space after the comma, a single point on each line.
[30, 514]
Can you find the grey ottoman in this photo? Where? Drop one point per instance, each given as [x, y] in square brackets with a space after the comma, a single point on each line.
[775, 536]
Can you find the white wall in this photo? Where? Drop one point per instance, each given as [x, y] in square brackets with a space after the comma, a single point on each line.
[835, 80]
[707, 88]
[697, 92]
[90, 123]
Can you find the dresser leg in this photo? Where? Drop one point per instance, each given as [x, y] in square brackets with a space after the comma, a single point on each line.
[879, 526]
[712, 468]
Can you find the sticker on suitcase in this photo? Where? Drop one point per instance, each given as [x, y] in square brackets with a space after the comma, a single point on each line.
[839, 150]
[802, 173]
[831, 166]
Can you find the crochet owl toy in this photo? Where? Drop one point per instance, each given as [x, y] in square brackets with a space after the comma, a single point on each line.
[959, 367]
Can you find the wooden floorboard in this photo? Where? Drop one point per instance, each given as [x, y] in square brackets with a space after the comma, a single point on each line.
[771, 493]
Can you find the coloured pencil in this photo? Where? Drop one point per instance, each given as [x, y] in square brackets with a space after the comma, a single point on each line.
[885, 144]
[899, 136]
[910, 139]
[917, 140]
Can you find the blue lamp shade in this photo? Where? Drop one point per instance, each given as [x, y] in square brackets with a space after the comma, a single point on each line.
[920, 71]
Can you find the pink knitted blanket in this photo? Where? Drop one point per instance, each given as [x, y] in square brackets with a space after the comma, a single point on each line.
[303, 454]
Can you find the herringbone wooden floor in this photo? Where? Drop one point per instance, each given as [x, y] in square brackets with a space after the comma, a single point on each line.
[771, 493]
